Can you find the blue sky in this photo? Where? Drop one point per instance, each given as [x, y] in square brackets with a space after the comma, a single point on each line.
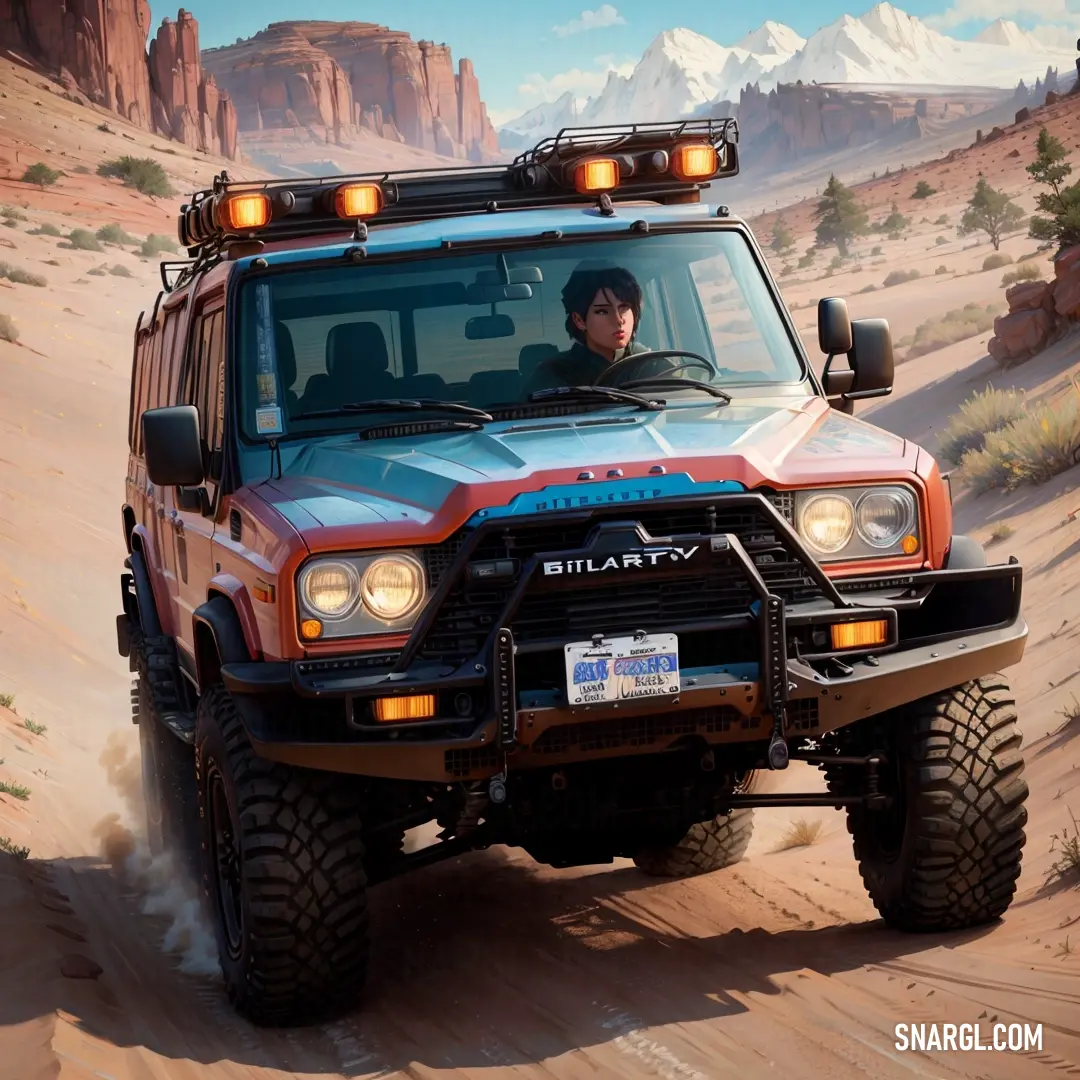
[525, 53]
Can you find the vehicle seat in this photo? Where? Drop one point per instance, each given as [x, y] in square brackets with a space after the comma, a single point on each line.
[494, 387]
[286, 365]
[357, 368]
[531, 356]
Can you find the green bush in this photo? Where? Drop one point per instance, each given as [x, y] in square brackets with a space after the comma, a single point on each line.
[940, 240]
[12, 212]
[876, 249]
[96, 271]
[1024, 272]
[8, 330]
[1037, 446]
[956, 325]
[22, 277]
[119, 271]
[83, 240]
[155, 244]
[996, 261]
[943, 220]
[143, 174]
[898, 277]
[984, 412]
[47, 229]
[114, 234]
[923, 190]
[941, 270]
[39, 173]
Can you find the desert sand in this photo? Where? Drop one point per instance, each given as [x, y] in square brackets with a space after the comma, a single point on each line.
[489, 965]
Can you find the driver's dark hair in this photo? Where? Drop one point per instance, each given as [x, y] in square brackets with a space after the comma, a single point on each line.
[586, 281]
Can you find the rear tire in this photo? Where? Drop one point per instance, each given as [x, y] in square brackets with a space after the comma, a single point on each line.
[707, 846]
[282, 873]
[947, 855]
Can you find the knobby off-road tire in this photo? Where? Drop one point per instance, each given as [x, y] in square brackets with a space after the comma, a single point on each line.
[949, 857]
[707, 846]
[282, 873]
[168, 764]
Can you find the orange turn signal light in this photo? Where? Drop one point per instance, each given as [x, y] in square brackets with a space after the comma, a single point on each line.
[599, 174]
[860, 635]
[358, 200]
[241, 213]
[910, 545]
[694, 161]
[389, 710]
[310, 629]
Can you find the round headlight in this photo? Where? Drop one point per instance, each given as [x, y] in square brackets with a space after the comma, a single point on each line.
[330, 589]
[393, 587]
[884, 518]
[827, 523]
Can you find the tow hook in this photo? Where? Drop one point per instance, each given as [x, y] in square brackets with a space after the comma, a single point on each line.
[778, 751]
[497, 788]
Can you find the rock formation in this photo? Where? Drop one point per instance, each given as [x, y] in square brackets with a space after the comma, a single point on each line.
[99, 47]
[795, 119]
[337, 78]
[1039, 312]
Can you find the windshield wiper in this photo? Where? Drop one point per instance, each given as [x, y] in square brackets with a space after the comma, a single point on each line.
[399, 405]
[395, 429]
[604, 393]
[660, 383]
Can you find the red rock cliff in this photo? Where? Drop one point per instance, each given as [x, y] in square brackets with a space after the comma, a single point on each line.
[99, 46]
[337, 77]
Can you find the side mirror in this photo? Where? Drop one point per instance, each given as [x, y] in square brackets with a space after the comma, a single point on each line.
[833, 326]
[869, 373]
[173, 448]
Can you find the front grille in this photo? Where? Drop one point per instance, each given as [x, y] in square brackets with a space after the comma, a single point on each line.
[575, 611]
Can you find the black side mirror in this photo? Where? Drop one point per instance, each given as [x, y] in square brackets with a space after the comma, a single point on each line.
[833, 326]
[870, 367]
[173, 447]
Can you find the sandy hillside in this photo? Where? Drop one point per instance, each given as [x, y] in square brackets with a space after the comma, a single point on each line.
[490, 965]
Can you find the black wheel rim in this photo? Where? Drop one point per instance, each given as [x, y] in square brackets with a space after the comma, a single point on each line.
[225, 865]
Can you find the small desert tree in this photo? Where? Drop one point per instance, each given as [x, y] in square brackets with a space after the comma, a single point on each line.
[1061, 202]
[991, 212]
[923, 190]
[143, 174]
[895, 222]
[40, 174]
[839, 217]
[782, 239]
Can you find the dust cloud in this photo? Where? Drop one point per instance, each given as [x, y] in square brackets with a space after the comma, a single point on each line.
[167, 890]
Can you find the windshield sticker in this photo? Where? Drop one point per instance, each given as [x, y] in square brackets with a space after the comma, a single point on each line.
[838, 436]
[267, 412]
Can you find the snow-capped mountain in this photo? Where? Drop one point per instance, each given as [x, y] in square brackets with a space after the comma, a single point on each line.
[682, 72]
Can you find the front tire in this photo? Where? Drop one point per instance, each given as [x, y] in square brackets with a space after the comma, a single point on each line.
[947, 854]
[282, 873]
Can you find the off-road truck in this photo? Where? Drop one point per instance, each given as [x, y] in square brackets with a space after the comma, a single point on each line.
[374, 582]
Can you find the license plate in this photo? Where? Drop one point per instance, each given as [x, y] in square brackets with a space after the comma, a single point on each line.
[622, 669]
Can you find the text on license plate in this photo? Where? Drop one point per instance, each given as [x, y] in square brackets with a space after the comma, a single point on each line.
[622, 669]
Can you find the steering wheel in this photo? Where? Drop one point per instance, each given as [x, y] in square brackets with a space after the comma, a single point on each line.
[604, 378]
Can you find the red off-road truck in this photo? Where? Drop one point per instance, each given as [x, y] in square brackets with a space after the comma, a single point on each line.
[377, 580]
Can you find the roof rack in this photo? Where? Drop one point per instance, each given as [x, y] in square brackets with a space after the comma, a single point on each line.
[664, 162]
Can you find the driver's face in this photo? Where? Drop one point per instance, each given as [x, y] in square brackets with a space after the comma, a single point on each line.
[608, 323]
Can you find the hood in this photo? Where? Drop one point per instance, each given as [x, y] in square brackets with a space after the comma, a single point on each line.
[430, 485]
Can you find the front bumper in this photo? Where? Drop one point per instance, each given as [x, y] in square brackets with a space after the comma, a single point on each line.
[945, 627]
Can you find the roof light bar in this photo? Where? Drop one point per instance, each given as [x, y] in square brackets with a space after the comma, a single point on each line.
[694, 161]
[242, 213]
[358, 200]
[596, 175]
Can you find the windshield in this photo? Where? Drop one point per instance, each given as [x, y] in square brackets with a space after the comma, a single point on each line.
[489, 329]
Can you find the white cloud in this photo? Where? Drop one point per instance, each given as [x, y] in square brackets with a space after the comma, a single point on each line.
[604, 15]
[581, 82]
[986, 11]
[1056, 36]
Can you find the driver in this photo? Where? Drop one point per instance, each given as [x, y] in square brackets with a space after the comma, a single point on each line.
[603, 309]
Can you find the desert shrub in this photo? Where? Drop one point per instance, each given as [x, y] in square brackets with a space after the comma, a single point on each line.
[898, 277]
[104, 126]
[155, 244]
[96, 271]
[868, 288]
[1032, 449]
[876, 249]
[996, 261]
[953, 326]
[806, 260]
[800, 833]
[941, 270]
[923, 190]
[943, 220]
[1036, 254]
[82, 170]
[114, 234]
[83, 240]
[1026, 272]
[12, 212]
[143, 174]
[21, 277]
[837, 263]
[985, 411]
[8, 330]
[39, 173]
[940, 240]
[119, 271]
[48, 229]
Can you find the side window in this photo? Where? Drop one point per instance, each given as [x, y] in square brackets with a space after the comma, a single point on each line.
[205, 387]
[138, 378]
[166, 389]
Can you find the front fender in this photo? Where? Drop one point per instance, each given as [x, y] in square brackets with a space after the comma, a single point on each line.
[150, 588]
[231, 586]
